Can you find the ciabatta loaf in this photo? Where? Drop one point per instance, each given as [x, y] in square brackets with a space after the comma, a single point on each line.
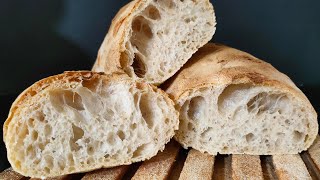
[233, 103]
[152, 39]
[81, 121]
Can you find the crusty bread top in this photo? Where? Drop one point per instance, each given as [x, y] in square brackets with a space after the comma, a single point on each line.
[22, 145]
[60, 80]
[215, 65]
[67, 79]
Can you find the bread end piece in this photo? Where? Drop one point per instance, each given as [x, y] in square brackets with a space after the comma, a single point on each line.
[80, 121]
[152, 40]
[233, 103]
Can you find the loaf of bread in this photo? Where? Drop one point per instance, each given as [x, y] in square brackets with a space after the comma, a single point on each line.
[233, 103]
[153, 39]
[81, 121]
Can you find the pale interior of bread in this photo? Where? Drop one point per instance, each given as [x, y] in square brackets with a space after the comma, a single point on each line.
[93, 125]
[244, 119]
[165, 35]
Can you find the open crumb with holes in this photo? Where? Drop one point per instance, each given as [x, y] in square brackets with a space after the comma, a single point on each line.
[81, 121]
[233, 103]
[153, 39]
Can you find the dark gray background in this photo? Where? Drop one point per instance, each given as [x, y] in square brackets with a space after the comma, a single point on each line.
[41, 37]
[45, 37]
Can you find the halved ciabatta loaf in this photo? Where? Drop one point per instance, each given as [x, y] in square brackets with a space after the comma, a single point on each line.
[153, 39]
[80, 121]
[233, 103]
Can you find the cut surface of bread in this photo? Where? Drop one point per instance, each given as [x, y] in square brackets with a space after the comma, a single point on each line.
[233, 103]
[81, 121]
[153, 39]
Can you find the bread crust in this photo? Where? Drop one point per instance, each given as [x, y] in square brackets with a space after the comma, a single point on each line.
[114, 43]
[209, 67]
[215, 66]
[70, 79]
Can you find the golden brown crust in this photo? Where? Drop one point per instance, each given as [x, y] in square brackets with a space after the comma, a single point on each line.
[197, 165]
[246, 167]
[290, 167]
[159, 166]
[67, 80]
[65, 177]
[314, 152]
[11, 175]
[214, 68]
[68, 76]
[109, 55]
[215, 65]
[218, 65]
[107, 174]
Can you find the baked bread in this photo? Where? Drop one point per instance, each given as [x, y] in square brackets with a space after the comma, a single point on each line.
[81, 121]
[233, 103]
[153, 39]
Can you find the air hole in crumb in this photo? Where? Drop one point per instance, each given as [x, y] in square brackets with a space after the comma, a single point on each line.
[111, 139]
[153, 12]
[141, 150]
[40, 117]
[70, 159]
[209, 24]
[73, 100]
[249, 137]
[167, 3]
[23, 131]
[207, 132]
[139, 66]
[133, 126]
[306, 138]
[136, 24]
[60, 98]
[34, 135]
[163, 66]
[147, 109]
[147, 31]
[47, 130]
[61, 164]
[41, 146]
[90, 150]
[190, 126]
[297, 136]
[30, 122]
[121, 135]
[36, 161]
[197, 108]
[49, 161]
[142, 29]
[287, 122]
[31, 152]
[167, 120]
[47, 170]
[90, 161]
[77, 134]
[225, 148]
[107, 156]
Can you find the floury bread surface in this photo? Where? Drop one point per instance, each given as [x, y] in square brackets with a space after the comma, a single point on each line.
[81, 121]
[233, 103]
[153, 39]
